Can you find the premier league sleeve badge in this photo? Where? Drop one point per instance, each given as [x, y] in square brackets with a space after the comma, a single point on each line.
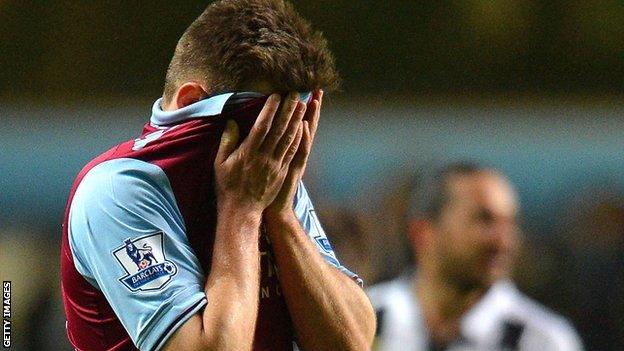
[145, 263]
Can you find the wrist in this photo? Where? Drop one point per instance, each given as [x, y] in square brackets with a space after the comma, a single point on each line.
[241, 212]
[276, 219]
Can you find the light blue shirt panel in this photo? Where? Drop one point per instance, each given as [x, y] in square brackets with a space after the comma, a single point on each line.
[208, 107]
[311, 224]
[211, 106]
[129, 199]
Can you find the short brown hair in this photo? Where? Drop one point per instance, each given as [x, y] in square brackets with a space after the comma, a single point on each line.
[432, 187]
[237, 42]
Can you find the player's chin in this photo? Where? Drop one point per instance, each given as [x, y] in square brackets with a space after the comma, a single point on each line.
[489, 272]
[496, 271]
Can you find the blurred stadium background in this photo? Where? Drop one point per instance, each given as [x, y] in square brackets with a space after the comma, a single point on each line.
[532, 87]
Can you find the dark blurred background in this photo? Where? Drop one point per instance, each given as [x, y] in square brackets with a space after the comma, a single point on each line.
[532, 87]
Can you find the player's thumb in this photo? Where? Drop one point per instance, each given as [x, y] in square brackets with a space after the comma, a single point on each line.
[229, 140]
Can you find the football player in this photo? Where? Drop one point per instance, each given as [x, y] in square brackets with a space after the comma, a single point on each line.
[199, 234]
[464, 235]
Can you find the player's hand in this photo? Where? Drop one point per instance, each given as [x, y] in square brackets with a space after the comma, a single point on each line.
[283, 203]
[249, 177]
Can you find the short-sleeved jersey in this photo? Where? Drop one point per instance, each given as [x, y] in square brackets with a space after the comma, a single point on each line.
[504, 319]
[139, 230]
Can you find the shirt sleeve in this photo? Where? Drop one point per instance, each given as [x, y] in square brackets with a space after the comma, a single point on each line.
[128, 240]
[310, 223]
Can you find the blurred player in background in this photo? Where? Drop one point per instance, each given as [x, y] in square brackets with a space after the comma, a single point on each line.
[191, 237]
[464, 235]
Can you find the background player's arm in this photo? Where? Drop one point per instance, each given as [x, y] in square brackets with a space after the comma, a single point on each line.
[247, 180]
[328, 309]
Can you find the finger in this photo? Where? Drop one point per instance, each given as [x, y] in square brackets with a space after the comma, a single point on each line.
[229, 140]
[297, 165]
[291, 131]
[291, 181]
[280, 126]
[301, 158]
[294, 147]
[311, 111]
[318, 94]
[263, 123]
[316, 117]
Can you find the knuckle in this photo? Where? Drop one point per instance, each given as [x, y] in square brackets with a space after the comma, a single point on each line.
[292, 150]
[289, 139]
[261, 155]
[264, 157]
[264, 161]
[262, 123]
[274, 165]
[271, 109]
[261, 127]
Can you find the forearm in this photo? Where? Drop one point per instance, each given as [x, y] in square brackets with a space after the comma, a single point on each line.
[248, 176]
[233, 283]
[328, 309]
[228, 320]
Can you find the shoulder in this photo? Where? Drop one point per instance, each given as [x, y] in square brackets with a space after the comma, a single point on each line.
[120, 194]
[119, 180]
[399, 324]
[542, 325]
[118, 199]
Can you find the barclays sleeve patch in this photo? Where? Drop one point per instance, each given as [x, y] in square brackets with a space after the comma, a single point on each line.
[145, 263]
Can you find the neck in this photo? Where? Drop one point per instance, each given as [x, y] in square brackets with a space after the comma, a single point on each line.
[443, 304]
[167, 106]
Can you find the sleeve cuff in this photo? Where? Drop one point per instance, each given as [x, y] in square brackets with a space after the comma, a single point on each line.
[334, 262]
[170, 316]
[356, 278]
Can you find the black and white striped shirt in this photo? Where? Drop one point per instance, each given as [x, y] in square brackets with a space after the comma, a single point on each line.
[504, 319]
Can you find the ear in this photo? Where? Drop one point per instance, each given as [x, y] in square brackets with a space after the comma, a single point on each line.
[188, 93]
[419, 234]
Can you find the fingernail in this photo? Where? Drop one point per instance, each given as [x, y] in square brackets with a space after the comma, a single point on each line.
[301, 106]
[230, 125]
[274, 98]
[294, 96]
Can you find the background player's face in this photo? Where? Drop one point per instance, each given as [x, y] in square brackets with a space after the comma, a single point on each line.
[476, 235]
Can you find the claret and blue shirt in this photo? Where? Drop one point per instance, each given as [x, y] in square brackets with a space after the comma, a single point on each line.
[139, 230]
